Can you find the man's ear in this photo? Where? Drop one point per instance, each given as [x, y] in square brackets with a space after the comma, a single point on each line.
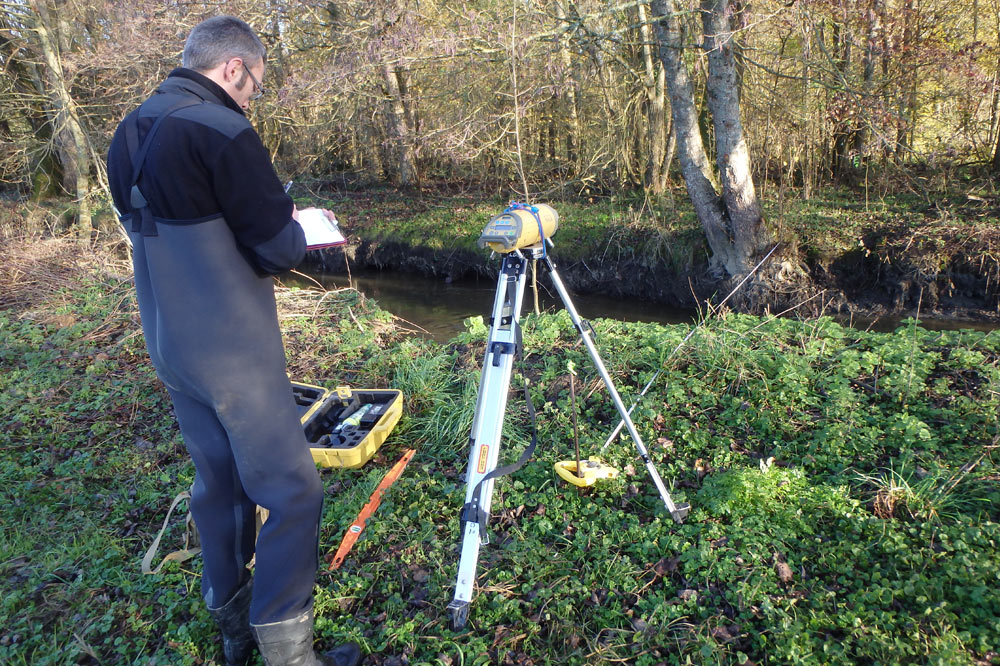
[234, 67]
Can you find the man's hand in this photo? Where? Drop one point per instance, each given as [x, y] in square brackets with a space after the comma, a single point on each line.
[329, 214]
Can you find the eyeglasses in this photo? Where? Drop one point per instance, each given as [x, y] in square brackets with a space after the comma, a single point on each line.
[256, 85]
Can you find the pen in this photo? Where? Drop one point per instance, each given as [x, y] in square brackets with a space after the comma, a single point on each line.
[288, 186]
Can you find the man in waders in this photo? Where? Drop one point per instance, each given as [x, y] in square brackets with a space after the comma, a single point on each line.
[210, 223]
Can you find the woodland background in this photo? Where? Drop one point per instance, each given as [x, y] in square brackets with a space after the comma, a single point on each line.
[415, 93]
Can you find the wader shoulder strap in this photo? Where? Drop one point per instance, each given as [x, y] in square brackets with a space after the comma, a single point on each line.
[142, 218]
[191, 540]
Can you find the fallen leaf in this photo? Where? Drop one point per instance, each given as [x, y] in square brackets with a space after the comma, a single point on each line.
[722, 634]
[666, 565]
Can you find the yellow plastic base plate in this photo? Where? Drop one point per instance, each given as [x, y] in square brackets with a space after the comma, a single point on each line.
[593, 471]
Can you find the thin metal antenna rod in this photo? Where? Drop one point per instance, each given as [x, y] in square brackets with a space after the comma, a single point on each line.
[712, 310]
[676, 512]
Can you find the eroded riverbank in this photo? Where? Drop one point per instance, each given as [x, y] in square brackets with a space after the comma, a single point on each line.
[839, 255]
[856, 285]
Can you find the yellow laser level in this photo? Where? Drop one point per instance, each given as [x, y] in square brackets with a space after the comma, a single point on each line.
[519, 226]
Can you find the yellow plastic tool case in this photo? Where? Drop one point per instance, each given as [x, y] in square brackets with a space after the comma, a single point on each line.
[348, 426]
[308, 399]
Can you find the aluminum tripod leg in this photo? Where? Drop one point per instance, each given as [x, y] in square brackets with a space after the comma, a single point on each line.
[676, 512]
[487, 425]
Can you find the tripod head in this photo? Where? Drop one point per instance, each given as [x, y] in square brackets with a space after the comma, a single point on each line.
[519, 226]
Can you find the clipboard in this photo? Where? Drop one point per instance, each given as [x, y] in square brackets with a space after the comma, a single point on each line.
[320, 231]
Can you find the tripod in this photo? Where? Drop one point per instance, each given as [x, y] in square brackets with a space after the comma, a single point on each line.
[503, 344]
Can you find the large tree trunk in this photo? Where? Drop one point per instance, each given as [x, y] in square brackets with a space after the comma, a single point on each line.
[695, 165]
[732, 222]
[739, 196]
[908, 82]
[71, 141]
[411, 114]
[872, 16]
[840, 163]
[572, 87]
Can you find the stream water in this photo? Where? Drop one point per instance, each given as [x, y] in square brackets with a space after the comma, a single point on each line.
[439, 308]
[436, 309]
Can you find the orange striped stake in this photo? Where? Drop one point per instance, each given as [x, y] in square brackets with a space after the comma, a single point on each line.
[354, 531]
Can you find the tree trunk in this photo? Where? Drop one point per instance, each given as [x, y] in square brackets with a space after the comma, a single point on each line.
[573, 132]
[662, 156]
[550, 132]
[732, 156]
[695, 165]
[840, 164]
[907, 93]
[539, 134]
[404, 172]
[654, 83]
[806, 141]
[411, 115]
[668, 158]
[732, 222]
[872, 15]
[74, 147]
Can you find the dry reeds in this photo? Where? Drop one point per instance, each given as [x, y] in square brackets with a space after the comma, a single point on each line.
[38, 277]
[32, 270]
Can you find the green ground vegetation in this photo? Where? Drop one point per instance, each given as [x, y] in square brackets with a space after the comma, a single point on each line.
[844, 484]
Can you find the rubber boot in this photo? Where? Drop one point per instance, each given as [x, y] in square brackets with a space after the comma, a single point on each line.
[290, 643]
[234, 623]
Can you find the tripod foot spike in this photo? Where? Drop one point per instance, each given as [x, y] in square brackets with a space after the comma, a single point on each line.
[459, 614]
[680, 512]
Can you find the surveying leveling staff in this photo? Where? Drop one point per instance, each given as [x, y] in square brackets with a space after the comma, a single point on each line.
[209, 223]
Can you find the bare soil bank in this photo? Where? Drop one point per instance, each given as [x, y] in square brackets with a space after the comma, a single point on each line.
[892, 273]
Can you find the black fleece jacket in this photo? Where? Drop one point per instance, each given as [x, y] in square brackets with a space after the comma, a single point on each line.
[207, 162]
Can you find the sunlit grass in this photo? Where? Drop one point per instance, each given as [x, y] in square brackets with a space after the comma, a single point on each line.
[843, 484]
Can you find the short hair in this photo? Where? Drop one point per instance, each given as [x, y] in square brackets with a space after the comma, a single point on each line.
[216, 40]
